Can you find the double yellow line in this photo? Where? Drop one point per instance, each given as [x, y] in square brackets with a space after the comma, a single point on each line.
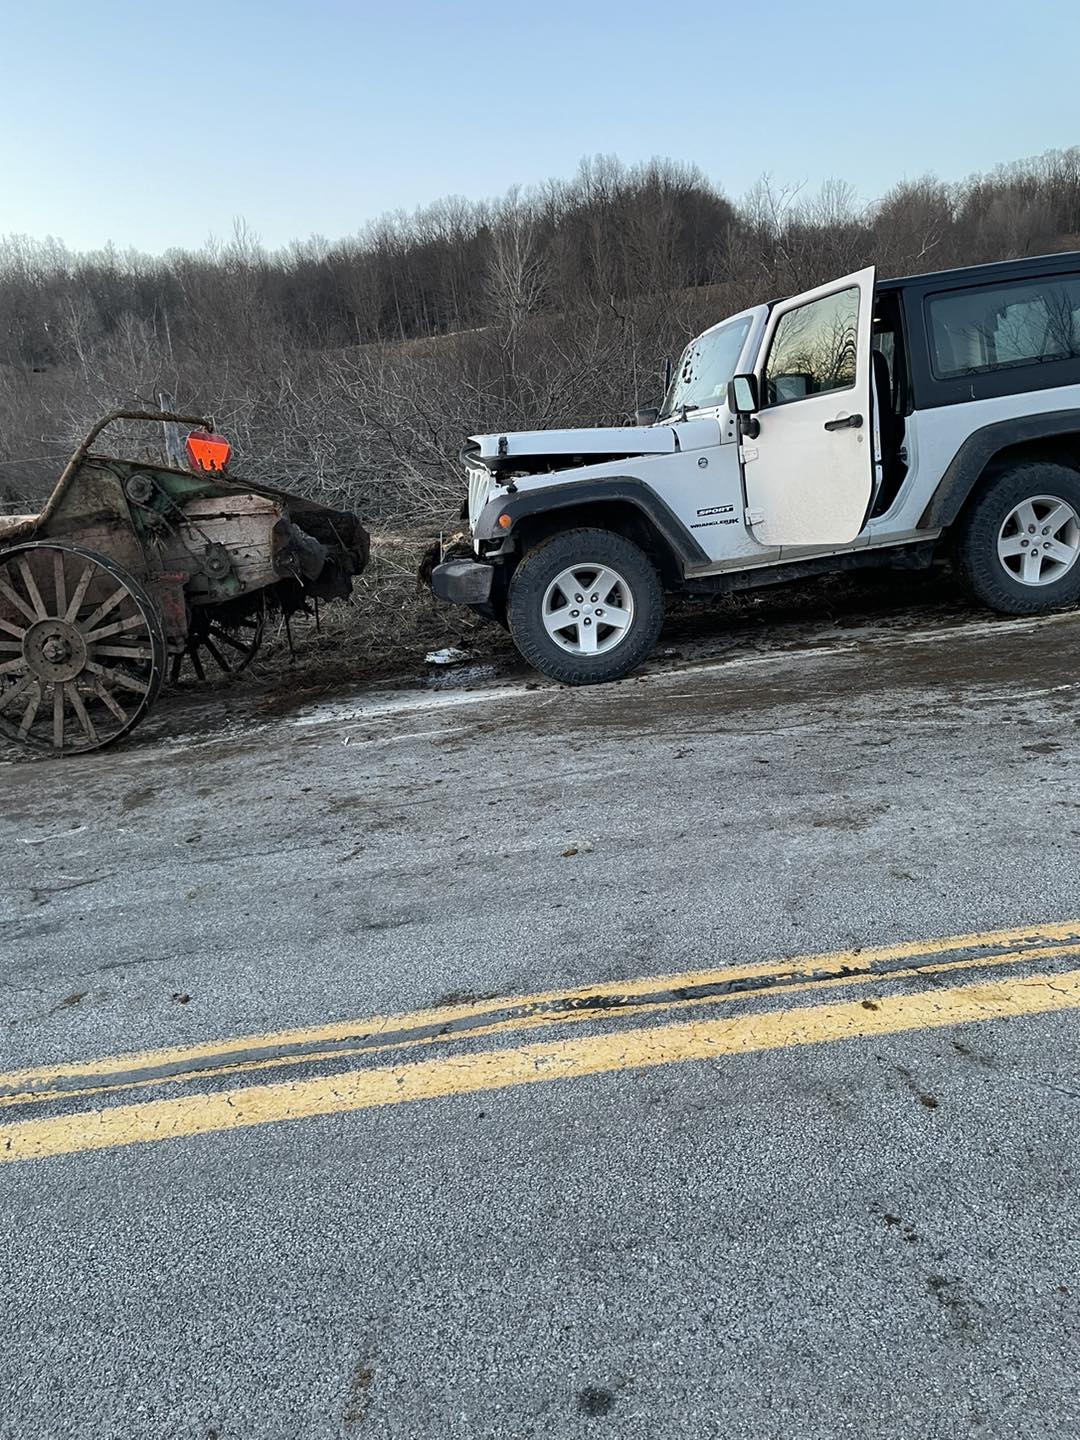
[615, 1047]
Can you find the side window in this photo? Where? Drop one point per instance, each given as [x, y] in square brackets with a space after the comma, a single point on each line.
[975, 331]
[814, 349]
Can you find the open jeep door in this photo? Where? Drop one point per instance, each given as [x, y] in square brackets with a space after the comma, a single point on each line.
[809, 470]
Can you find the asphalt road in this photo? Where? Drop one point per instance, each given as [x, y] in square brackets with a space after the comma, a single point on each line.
[824, 1197]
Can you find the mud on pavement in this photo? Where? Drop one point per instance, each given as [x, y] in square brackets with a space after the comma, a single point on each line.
[342, 657]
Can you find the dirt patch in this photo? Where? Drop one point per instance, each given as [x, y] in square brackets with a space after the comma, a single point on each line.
[383, 633]
[358, 1394]
[595, 1400]
[136, 799]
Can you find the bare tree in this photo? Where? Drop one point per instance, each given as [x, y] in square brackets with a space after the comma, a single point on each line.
[354, 368]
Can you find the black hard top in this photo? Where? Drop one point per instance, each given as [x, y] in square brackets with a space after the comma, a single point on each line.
[1064, 261]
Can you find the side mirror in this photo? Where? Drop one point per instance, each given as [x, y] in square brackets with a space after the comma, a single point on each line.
[742, 394]
[646, 415]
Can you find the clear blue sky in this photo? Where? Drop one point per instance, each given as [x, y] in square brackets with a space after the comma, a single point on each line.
[155, 124]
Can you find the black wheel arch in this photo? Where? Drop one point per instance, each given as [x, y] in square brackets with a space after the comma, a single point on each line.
[622, 504]
[1053, 436]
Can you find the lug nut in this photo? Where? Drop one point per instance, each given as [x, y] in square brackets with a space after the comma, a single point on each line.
[579, 598]
[594, 598]
[1046, 529]
[599, 611]
[1031, 529]
[587, 620]
[1023, 543]
[574, 614]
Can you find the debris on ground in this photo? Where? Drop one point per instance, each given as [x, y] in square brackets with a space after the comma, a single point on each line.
[460, 677]
[448, 655]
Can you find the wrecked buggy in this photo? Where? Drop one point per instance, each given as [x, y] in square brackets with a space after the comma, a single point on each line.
[133, 566]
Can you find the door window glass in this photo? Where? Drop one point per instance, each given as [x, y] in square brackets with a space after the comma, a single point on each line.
[814, 349]
[974, 331]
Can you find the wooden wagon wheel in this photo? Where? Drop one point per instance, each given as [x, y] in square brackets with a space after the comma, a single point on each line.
[229, 645]
[82, 648]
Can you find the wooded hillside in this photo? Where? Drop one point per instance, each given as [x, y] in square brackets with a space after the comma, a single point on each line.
[354, 369]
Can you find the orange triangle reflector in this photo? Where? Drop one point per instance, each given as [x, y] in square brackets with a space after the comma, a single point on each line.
[207, 451]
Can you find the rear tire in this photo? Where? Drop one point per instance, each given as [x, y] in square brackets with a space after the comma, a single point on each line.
[1019, 548]
[585, 606]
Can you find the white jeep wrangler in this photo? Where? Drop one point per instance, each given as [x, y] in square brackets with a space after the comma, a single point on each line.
[862, 423]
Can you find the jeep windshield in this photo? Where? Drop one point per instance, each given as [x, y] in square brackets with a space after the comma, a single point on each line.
[706, 366]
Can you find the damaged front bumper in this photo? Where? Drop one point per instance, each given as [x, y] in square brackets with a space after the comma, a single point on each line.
[463, 582]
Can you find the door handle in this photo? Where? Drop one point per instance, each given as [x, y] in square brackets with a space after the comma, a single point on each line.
[849, 422]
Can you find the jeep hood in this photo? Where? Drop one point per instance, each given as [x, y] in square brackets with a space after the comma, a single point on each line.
[514, 449]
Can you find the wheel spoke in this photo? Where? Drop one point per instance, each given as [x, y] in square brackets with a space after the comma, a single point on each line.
[587, 639]
[1011, 545]
[19, 603]
[603, 585]
[12, 667]
[59, 583]
[1059, 516]
[11, 646]
[220, 660]
[32, 589]
[118, 627]
[80, 710]
[227, 639]
[10, 629]
[1056, 550]
[616, 617]
[103, 609]
[1032, 567]
[16, 692]
[58, 717]
[117, 677]
[79, 596]
[125, 652]
[1026, 517]
[33, 705]
[557, 619]
[110, 701]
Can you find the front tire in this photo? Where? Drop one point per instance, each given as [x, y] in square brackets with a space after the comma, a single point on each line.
[1019, 549]
[585, 606]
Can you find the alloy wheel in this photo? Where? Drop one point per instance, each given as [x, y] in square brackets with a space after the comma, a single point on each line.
[588, 609]
[1039, 541]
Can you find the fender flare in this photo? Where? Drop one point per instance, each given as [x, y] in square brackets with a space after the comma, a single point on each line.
[625, 489]
[969, 462]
